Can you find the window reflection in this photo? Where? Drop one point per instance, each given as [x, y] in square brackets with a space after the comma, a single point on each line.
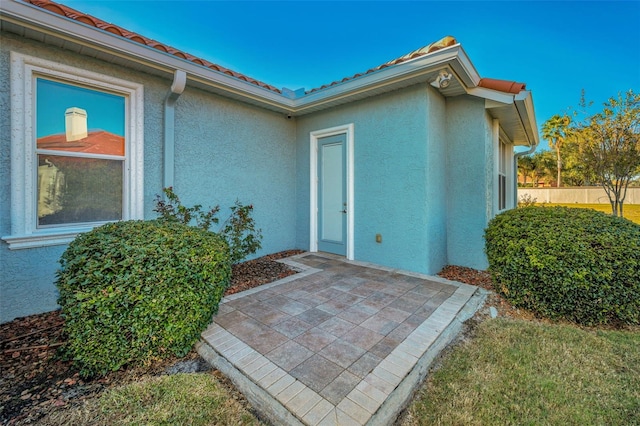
[86, 184]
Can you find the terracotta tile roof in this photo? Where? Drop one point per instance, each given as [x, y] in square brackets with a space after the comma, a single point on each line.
[502, 85]
[114, 29]
[430, 48]
[96, 142]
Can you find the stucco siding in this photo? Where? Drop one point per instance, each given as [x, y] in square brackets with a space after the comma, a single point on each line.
[469, 181]
[224, 150]
[436, 194]
[27, 276]
[391, 176]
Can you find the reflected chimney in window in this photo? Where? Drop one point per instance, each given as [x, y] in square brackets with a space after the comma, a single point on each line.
[75, 123]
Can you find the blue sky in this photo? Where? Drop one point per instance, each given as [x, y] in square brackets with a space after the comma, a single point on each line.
[557, 48]
[104, 111]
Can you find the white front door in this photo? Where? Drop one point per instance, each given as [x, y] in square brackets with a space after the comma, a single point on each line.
[332, 194]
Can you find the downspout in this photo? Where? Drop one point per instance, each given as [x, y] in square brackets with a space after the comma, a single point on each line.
[179, 83]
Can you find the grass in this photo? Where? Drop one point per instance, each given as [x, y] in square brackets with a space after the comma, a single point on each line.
[180, 399]
[630, 211]
[507, 372]
[520, 372]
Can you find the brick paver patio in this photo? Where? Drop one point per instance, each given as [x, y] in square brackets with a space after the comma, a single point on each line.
[340, 343]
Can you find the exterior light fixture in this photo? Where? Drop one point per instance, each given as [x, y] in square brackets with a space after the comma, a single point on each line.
[443, 80]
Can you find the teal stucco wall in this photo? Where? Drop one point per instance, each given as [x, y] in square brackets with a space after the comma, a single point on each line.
[423, 168]
[228, 150]
[469, 181]
[424, 178]
[398, 160]
[225, 151]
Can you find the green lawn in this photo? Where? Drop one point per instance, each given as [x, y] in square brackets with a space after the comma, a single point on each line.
[507, 372]
[520, 372]
[630, 211]
[180, 399]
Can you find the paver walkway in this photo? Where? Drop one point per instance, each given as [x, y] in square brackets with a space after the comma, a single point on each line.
[340, 343]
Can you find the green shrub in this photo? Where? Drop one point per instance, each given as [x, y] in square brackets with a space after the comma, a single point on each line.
[239, 230]
[577, 264]
[132, 291]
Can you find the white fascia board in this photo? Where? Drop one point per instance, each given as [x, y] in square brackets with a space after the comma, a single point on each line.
[465, 69]
[39, 19]
[393, 74]
[494, 98]
[522, 104]
[46, 22]
[526, 111]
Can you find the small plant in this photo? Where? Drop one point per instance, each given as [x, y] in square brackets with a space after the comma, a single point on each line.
[239, 230]
[571, 263]
[526, 200]
[133, 291]
[173, 211]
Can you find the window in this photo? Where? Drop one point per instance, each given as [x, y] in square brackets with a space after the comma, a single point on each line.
[76, 151]
[503, 166]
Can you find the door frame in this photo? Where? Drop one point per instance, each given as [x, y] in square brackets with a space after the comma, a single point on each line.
[347, 130]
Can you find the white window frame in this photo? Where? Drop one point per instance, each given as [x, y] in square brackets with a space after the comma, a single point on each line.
[502, 175]
[502, 153]
[24, 171]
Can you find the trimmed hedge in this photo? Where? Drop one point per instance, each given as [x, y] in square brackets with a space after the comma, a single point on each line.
[134, 290]
[571, 263]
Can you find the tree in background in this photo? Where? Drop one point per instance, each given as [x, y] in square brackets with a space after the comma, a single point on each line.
[526, 166]
[539, 165]
[609, 142]
[575, 171]
[556, 130]
[545, 165]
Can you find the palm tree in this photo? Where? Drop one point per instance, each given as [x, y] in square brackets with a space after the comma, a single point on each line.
[556, 130]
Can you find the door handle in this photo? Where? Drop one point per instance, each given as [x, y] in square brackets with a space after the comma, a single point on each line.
[344, 210]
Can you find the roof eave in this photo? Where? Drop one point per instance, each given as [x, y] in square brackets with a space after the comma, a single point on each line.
[521, 126]
[49, 23]
[419, 70]
[524, 104]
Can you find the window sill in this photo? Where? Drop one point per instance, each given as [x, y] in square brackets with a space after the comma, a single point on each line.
[44, 238]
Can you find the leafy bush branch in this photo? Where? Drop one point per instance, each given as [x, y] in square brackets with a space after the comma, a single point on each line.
[239, 229]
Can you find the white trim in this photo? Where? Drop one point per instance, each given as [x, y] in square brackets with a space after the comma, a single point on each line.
[24, 232]
[348, 130]
[501, 142]
[495, 175]
[43, 239]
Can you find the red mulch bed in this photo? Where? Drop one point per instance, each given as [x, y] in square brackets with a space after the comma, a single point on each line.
[34, 381]
[483, 279]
